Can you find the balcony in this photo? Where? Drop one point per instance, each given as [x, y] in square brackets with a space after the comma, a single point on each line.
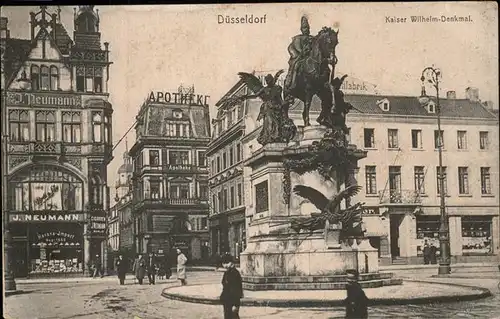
[157, 201]
[45, 148]
[402, 197]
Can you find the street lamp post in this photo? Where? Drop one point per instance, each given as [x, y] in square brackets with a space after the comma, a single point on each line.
[432, 75]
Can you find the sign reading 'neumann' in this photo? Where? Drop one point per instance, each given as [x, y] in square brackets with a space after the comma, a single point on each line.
[44, 99]
[45, 217]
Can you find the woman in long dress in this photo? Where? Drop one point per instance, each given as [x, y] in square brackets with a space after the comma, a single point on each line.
[181, 267]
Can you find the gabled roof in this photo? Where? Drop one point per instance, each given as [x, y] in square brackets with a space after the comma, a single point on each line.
[16, 53]
[61, 38]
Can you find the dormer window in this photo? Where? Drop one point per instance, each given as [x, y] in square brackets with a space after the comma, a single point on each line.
[431, 107]
[384, 105]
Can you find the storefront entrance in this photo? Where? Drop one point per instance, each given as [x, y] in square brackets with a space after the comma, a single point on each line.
[395, 222]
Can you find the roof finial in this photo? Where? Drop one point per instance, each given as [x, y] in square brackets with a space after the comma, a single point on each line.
[126, 144]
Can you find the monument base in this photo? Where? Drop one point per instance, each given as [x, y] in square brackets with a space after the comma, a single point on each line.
[305, 261]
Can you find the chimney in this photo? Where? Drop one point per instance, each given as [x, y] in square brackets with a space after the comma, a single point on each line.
[4, 30]
[451, 95]
[472, 94]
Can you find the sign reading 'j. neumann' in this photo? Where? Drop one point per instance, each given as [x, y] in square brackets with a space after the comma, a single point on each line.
[46, 217]
[44, 99]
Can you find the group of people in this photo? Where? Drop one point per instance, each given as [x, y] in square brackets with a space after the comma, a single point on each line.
[429, 252]
[151, 266]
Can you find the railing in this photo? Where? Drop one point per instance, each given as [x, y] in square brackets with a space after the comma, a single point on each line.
[400, 197]
[175, 201]
[45, 147]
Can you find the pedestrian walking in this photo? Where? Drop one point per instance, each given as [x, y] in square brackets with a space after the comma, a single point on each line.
[97, 267]
[432, 253]
[151, 268]
[232, 289]
[356, 302]
[168, 267]
[427, 252]
[181, 267]
[121, 269]
[140, 269]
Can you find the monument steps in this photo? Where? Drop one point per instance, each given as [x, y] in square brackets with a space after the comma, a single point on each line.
[319, 285]
[313, 279]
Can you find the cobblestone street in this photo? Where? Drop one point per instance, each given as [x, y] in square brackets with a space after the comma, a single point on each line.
[104, 298]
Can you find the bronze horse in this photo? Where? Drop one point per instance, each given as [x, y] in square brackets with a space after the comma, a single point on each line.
[313, 74]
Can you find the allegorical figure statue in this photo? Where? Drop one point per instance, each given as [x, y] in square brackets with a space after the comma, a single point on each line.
[336, 118]
[272, 108]
[299, 49]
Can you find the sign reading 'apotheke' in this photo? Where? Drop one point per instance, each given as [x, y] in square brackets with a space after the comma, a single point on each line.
[43, 99]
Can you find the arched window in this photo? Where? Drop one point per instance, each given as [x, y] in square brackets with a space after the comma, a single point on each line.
[35, 77]
[44, 78]
[96, 127]
[54, 78]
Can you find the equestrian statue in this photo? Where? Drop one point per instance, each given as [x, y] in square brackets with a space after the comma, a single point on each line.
[309, 70]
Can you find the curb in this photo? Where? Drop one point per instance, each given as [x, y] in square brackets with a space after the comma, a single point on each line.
[13, 292]
[310, 303]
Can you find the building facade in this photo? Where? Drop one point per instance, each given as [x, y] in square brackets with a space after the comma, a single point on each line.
[225, 156]
[59, 143]
[170, 175]
[399, 174]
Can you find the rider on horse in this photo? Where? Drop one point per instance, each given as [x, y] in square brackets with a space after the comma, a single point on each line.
[299, 50]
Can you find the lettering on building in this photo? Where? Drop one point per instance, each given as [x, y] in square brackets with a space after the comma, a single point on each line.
[179, 98]
[45, 217]
[43, 99]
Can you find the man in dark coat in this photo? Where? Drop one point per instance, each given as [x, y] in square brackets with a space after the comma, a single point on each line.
[232, 289]
[151, 268]
[427, 252]
[356, 301]
[433, 254]
[121, 269]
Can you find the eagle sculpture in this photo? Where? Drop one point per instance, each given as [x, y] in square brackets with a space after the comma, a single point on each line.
[329, 209]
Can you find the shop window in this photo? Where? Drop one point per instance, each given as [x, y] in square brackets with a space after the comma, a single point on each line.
[427, 229]
[476, 235]
[45, 122]
[392, 135]
[369, 137]
[371, 180]
[46, 188]
[19, 126]
[261, 197]
[71, 127]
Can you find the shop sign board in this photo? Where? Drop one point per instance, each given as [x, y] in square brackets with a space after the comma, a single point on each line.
[45, 217]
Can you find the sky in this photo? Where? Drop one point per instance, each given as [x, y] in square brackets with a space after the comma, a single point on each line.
[159, 47]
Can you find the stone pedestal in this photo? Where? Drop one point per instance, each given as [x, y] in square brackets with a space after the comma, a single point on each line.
[276, 257]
